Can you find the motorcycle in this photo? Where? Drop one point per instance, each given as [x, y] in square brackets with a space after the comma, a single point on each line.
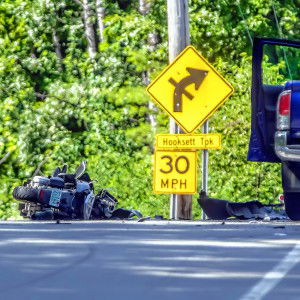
[67, 196]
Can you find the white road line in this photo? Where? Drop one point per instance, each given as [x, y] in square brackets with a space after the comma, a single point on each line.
[272, 278]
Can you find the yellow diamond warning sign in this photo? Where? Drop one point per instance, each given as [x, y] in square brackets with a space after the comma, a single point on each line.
[190, 90]
[175, 172]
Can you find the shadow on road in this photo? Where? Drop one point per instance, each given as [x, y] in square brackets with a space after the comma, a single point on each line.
[120, 260]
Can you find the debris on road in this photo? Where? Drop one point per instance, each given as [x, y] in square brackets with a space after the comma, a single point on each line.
[217, 209]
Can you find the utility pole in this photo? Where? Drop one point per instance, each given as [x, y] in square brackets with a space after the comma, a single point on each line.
[179, 39]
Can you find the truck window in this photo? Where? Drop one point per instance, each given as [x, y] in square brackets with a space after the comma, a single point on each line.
[280, 64]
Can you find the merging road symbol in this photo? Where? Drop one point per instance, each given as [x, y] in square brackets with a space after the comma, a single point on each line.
[196, 77]
[189, 89]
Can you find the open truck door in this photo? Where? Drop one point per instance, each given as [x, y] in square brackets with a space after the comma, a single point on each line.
[275, 123]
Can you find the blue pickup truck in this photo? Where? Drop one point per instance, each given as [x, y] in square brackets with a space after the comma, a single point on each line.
[275, 100]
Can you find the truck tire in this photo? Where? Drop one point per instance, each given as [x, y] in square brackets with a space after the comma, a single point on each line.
[292, 205]
[25, 193]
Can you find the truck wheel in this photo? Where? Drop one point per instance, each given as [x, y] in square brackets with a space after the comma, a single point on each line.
[25, 193]
[292, 205]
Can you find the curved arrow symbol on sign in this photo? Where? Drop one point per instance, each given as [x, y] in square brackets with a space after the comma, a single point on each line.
[196, 77]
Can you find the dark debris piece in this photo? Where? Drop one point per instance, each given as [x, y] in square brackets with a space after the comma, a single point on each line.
[217, 209]
[144, 219]
[214, 208]
[255, 210]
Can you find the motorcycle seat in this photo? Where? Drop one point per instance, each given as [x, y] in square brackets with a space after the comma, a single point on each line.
[68, 178]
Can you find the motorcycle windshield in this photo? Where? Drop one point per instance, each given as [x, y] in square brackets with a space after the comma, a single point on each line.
[274, 62]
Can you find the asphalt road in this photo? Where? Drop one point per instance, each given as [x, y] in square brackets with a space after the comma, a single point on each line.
[149, 260]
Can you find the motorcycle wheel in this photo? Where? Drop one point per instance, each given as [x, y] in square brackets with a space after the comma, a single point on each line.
[25, 193]
[292, 205]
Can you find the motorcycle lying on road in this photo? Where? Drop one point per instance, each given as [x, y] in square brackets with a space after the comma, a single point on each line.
[67, 196]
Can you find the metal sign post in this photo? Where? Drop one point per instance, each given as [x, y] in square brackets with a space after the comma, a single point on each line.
[205, 166]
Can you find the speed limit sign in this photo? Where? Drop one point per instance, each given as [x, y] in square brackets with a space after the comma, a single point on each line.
[175, 172]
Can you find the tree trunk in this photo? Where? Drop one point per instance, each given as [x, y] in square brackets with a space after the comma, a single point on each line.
[57, 45]
[5, 158]
[144, 7]
[100, 11]
[152, 118]
[151, 106]
[89, 29]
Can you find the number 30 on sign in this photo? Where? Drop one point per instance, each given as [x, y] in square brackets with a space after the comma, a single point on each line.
[175, 172]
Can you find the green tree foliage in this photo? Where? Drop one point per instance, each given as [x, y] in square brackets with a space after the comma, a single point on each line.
[59, 105]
